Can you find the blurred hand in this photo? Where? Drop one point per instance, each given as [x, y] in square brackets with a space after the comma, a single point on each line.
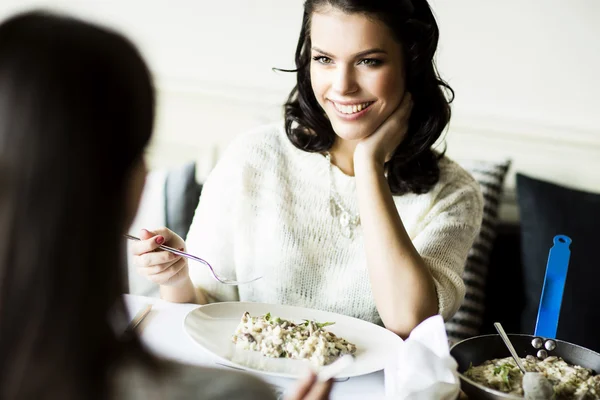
[161, 267]
[310, 388]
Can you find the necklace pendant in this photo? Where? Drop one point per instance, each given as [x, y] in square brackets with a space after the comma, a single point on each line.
[347, 232]
[347, 224]
[345, 220]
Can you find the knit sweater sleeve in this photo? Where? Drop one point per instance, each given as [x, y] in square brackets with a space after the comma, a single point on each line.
[449, 230]
[212, 232]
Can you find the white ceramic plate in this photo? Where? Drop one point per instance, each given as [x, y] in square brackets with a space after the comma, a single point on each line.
[212, 326]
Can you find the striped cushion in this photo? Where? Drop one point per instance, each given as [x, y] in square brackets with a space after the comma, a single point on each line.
[467, 320]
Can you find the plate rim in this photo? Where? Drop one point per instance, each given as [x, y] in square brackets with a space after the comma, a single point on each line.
[232, 364]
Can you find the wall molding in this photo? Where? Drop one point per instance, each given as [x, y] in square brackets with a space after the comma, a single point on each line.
[510, 127]
[520, 130]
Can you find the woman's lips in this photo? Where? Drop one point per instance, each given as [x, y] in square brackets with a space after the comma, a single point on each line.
[351, 111]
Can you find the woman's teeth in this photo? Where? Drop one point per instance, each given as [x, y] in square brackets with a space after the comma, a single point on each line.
[351, 109]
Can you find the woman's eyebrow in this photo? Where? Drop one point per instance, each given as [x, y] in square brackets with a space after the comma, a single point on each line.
[357, 55]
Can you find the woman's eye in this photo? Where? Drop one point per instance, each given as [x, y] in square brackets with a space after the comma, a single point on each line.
[370, 62]
[322, 59]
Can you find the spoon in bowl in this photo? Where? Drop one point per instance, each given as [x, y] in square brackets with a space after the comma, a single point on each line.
[535, 385]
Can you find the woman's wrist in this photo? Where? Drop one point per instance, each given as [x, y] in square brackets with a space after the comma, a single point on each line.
[367, 152]
[181, 292]
[366, 161]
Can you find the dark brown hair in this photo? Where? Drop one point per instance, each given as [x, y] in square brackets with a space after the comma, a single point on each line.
[76, 112]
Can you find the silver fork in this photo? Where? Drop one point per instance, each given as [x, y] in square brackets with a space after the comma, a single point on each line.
[224, 281]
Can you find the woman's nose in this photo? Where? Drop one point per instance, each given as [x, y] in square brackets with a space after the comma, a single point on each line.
[344, 81]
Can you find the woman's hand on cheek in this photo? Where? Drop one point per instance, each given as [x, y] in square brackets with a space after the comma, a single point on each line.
[380, 145]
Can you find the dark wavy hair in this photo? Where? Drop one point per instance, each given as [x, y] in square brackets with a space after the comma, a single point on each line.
[76, 112]
[413, 167]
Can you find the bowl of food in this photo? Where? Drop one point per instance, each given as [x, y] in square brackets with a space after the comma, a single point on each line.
[487, 371]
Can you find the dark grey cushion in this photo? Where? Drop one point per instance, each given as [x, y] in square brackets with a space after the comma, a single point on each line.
[546, 210]
[182, 194]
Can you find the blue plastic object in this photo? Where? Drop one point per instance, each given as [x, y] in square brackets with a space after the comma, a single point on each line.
[554, 286]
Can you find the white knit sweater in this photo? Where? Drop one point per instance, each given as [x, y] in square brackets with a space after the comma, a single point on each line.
[265, 210]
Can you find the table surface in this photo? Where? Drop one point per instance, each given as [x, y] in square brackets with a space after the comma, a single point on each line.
[163, 334]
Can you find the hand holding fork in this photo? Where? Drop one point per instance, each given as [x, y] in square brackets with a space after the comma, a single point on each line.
[168, 267]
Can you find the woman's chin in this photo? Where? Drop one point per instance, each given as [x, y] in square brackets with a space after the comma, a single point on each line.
[351, 131]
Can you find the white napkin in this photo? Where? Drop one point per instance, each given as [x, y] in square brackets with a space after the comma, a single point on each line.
[422, 368]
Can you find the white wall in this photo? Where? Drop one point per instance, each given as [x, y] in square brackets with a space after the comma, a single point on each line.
[525, 73]
[536, 60]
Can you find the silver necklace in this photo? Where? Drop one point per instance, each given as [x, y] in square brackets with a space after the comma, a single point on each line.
[348, 222]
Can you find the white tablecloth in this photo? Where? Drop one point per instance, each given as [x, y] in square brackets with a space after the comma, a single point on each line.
[163, 334]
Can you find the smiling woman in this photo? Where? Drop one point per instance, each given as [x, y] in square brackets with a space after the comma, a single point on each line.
[344, 206]
[372, 53]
